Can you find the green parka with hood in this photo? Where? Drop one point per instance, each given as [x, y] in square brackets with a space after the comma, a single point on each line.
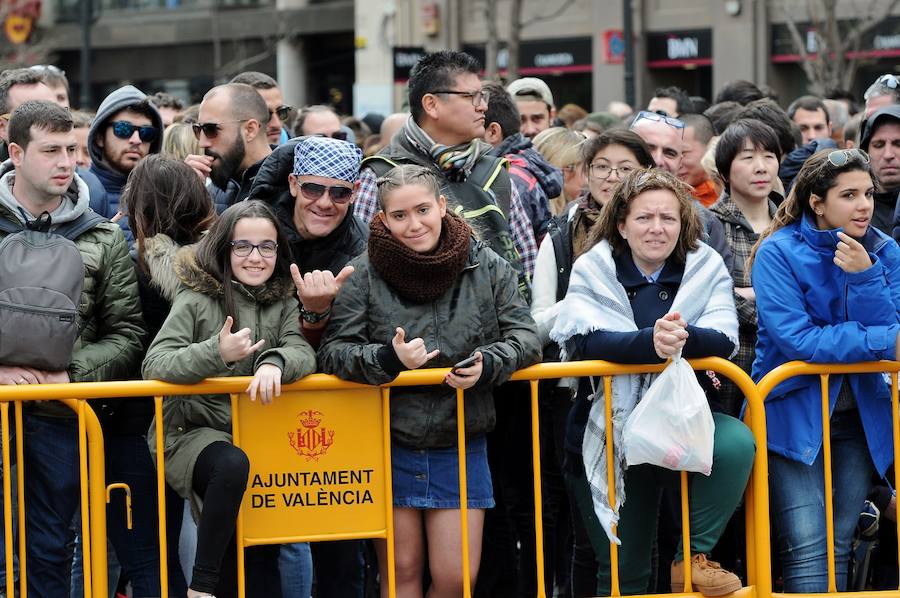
[110, 344]
[186, 351]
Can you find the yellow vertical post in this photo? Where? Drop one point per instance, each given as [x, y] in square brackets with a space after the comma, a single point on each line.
[538, 503]
[161, 497]
[686, 531]
[896, 429]
[88, 540]
[239, 525]
[829, 499]
[463, 488]
[20, 479]
[388, 492]
[7, 501]
[611, 483]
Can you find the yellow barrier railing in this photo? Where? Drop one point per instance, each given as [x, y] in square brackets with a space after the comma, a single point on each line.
[824, 371]
[94, 489]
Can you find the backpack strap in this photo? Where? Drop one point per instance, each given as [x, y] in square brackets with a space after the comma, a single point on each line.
[74, 229]
[560, 236]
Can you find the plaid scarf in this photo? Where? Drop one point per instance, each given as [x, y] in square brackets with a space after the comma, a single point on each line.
[455, 161]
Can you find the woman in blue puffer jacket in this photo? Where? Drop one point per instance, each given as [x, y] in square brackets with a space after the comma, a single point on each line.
[827, 291]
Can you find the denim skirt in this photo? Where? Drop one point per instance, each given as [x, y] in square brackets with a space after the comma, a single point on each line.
[429, 478]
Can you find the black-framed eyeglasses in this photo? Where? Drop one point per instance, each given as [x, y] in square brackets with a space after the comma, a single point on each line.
[242, 248]
[842, 157]
[889, 81]
[656, 117]
[338, 194]
[124, 130]
[283, 112]
[603, 171]
[476, 96]
[212, 130]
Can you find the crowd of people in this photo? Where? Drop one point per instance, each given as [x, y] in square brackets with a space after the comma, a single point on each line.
[484, 231]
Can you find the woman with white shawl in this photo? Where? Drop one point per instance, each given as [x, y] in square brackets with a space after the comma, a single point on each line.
[647, 291]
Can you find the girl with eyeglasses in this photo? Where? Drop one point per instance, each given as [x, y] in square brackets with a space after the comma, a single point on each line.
[827, 289]
[236, 316]
[428, 294]
[606, 159]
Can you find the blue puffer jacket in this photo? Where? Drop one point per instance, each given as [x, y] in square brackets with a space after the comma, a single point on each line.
[811, 310]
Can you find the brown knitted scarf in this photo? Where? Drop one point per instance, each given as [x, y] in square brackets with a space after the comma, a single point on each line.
[420, 277]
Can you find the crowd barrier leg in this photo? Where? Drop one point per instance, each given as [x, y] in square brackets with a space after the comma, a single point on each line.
[389, 493]
[896, 429]
[161, 496]
[7, 501]
[463, 490]
[829, 497]
[538, 502]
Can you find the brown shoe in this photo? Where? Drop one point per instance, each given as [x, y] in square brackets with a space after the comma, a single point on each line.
[707, 577]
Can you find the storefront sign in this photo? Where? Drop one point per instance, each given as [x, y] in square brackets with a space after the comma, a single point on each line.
[406, 57]
[679, 48]
[613, 46]
[882, 42]
[546, 56]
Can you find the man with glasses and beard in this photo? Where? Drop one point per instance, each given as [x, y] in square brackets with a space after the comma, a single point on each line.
[231, 129]
[127, 128]
[311, 183]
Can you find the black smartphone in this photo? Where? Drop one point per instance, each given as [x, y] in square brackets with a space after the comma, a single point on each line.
[467, 362]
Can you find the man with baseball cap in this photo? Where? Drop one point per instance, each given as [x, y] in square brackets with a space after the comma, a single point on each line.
[535, 103]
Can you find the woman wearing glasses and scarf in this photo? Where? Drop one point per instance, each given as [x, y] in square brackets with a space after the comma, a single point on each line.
[645, 292]
[827, 291]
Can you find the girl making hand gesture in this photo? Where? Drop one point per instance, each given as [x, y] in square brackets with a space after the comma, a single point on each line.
[237, 316]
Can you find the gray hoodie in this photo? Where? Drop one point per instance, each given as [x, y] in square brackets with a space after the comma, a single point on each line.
[114, 102]
[76, 202]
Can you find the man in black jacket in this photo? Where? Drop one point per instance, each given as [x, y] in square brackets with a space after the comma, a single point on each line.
[881, 139]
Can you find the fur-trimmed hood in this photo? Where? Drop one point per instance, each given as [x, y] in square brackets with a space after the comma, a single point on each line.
[195, 278]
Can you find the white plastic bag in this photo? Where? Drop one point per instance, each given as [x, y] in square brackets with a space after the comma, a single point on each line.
[672, 425]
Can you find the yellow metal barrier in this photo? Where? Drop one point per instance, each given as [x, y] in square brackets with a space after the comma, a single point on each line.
[823, 371]
[94, 486]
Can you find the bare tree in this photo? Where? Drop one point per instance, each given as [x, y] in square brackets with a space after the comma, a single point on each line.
[830, 59]
[516, 26]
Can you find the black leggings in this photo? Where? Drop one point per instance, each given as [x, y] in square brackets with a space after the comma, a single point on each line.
[219, 478]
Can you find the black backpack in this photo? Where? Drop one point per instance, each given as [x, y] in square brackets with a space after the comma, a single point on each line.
[41, 278]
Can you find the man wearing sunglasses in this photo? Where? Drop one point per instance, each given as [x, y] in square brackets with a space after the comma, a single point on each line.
[310, 183]
[321, 120]
[279, 112]
[127, 128]
[883, 92]
[880, 138]
[232, 135]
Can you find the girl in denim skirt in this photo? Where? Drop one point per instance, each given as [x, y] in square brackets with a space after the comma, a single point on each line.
[429, 294]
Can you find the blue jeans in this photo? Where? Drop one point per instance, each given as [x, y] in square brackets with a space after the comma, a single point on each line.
[52, 496]
[798, 506]
[295, 567]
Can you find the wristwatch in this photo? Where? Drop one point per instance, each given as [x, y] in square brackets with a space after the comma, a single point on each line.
[312, 317]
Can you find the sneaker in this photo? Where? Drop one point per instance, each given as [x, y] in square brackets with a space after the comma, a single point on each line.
[707, 577]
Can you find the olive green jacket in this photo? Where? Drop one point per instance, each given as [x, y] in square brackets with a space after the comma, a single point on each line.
[112, 337]
[186, 351]
[482, 311]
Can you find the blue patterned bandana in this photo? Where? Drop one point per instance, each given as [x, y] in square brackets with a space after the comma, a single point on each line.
[327, 157]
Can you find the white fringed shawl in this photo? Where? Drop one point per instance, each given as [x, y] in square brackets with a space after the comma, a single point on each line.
[597, 301]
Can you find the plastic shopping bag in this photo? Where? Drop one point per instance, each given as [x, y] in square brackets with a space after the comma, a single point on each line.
[672, 425]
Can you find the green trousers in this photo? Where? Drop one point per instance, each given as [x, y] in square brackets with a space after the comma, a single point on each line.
[713, 500]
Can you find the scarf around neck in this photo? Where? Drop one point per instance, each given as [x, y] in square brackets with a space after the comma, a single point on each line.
[420, 277]
[596, 300]
[455, 161]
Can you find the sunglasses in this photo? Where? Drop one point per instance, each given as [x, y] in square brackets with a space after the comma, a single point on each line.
[842, 157]
[124, 130]
[341, 135]
[283, 112]
[656, 117]
[889, 81]
[337, 193]
[242, 248]
[211, 130]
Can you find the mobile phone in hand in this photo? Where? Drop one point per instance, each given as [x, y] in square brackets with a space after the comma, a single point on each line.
[468, 362]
